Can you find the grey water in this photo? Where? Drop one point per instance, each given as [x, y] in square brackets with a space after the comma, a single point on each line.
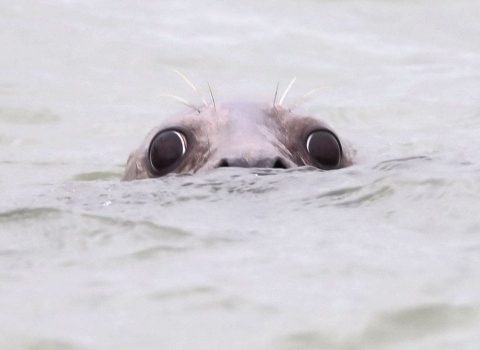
[384, 254]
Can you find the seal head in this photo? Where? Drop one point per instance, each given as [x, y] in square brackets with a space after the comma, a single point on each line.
[237, 135]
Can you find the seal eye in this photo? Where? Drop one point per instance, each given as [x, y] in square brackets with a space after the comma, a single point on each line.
[325, 148]
[166, 149]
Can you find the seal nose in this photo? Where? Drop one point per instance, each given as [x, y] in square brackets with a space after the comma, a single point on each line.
[277, 163]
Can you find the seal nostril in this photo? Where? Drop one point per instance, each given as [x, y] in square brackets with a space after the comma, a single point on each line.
[279, 164]
[223, 163]
[275, 163]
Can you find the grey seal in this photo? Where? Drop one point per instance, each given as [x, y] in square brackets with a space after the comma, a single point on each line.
[237, 134]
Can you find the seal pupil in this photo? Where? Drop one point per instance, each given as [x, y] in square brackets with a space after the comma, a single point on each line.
[324, 147]
[166, 149]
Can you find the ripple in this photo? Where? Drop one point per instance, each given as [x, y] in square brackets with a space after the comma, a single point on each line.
[419, 322]
[35, 234]
[6, 140]
[30, 343]
[182, 293]
[404, 326]
[352, 196]
[391, 164]
[371, 197]
[98, 176]
[153, 252]
[27, 116]
[21, 214]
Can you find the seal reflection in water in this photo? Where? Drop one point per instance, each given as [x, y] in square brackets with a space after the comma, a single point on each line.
[237, 135]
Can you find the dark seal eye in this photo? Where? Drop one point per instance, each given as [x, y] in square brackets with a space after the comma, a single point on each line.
[166, 149]
[325, 148]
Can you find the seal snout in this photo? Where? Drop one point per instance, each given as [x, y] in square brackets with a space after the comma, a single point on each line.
[258, 162]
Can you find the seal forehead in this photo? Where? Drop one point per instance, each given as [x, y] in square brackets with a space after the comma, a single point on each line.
[231, 116]
[247, 131]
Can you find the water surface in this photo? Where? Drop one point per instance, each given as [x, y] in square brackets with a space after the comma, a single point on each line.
[380, 255]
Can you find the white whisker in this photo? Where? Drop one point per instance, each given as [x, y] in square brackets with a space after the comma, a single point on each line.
[213, 98]
[302, 98]
[185, 102]
[191, 85]
[286, 91]
[276, 93]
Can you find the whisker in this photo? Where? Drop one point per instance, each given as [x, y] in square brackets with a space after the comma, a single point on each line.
[276, 93]
[286, 91]
[302, 98]
[185, 102]
[192, 86]
[213, 98]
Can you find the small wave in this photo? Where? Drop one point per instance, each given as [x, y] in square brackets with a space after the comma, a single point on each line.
[21, 214]
[98, 176]
[28, 342]
[27, 116]
[391, 164]
[412, 328]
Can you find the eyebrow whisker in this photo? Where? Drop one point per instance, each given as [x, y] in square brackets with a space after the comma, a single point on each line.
[191, 85]
[286, 91]
[276, 93]
[185, 102]
[302, 98]
[213, 98]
